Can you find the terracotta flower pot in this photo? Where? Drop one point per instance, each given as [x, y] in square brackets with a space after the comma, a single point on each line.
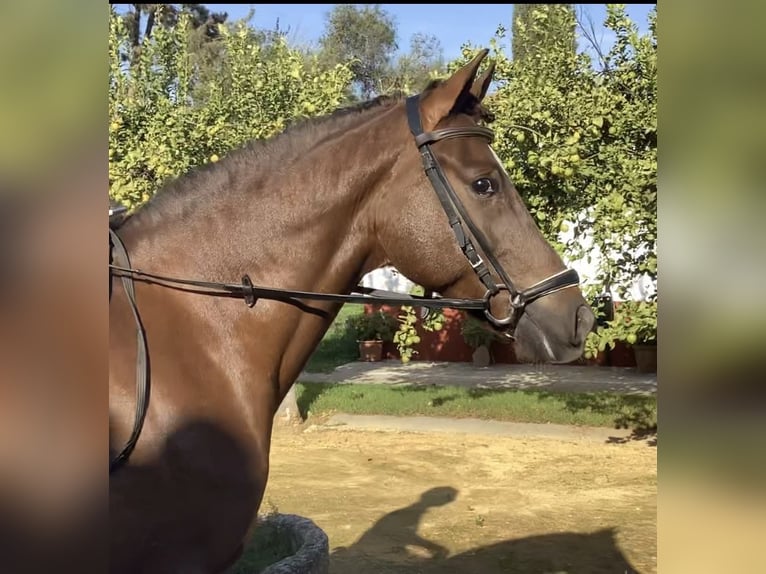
[646, 358]
[370, 351]
[622, 355]
[600, 360]
[482, 357]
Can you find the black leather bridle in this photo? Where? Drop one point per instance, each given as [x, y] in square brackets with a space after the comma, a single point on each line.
[119, 266]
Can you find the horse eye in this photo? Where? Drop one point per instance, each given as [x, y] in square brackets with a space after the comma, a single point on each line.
[484, 186]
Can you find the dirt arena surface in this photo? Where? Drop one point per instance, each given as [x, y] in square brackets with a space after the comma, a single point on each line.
[443, 503]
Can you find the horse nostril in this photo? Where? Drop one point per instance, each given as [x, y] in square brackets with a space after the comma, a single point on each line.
[585, 321]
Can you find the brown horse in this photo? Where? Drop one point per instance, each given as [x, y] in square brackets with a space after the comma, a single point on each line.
[314, 209]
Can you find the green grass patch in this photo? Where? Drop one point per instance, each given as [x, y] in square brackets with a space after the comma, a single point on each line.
[589, 409]
[337, 347]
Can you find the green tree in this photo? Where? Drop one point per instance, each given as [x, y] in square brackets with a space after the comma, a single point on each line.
[414, 69]
[542, 27]
[158, 129]
[365, 40]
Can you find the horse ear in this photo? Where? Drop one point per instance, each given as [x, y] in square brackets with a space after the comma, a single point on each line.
[450, 94]
[481, 84]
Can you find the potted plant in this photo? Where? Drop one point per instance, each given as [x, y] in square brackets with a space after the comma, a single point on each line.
[595, 345]
[635, 323]
[370, 331]
[640, 318]
[479, 336]
[595, 352]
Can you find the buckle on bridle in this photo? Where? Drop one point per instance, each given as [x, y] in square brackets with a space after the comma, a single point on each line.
[478, 264]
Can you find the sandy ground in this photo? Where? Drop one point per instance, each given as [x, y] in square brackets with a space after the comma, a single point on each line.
[440, 502]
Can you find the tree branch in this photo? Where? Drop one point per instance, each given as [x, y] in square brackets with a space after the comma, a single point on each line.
[150, 22]
[590, 35]
[134, 25]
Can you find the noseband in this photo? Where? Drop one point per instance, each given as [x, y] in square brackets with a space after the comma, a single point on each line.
[453, 206]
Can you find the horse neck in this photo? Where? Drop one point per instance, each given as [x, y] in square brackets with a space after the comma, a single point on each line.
[303, 225]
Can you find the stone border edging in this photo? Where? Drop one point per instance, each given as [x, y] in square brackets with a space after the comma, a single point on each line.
[308, 542]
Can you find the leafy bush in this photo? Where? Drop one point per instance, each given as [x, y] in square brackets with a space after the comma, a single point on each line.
[377, 326]
[635, 322]
[406, 336]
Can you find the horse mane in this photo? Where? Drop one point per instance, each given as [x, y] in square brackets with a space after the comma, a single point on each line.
[204, 183]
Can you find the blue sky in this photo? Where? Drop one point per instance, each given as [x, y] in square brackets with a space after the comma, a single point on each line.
[453, 25]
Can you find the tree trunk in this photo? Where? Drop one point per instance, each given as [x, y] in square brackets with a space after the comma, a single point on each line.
[288, 412]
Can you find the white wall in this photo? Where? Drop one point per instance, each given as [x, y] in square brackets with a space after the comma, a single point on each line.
[387, 278]
[638, 290]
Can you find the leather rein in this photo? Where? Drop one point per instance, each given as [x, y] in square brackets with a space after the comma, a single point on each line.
[457, 215]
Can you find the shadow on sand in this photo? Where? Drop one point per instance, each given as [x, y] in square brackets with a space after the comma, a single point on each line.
[393, 545]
